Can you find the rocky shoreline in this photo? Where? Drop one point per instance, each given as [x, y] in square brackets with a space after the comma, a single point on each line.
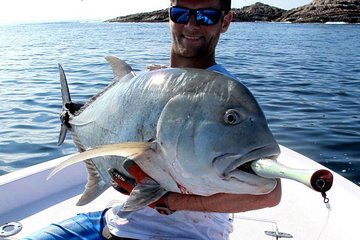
[319, 11]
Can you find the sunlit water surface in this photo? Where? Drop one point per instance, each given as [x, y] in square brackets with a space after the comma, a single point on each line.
[305, 76]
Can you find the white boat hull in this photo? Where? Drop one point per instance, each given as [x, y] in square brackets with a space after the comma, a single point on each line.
[27, 197]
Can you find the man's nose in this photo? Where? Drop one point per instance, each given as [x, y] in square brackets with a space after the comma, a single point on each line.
[192, 22]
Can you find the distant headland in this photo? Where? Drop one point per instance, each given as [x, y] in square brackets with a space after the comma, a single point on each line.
[319, 11]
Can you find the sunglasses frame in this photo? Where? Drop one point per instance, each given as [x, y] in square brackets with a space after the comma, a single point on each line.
[194, 12]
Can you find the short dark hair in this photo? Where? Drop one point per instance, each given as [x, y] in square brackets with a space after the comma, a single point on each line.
[225, 5]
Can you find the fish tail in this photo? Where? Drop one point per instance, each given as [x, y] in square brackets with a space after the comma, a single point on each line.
[68, 106]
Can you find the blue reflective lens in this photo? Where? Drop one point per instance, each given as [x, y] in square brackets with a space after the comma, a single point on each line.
[205, 16]
[179, 15]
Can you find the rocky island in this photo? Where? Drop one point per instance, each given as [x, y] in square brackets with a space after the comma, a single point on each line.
[318, 11]
[321, 11]
[255, 12]
[155, 16]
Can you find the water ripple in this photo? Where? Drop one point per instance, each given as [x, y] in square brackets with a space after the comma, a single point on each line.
[305, 76]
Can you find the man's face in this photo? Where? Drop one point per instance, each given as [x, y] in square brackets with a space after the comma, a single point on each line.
[191, 40]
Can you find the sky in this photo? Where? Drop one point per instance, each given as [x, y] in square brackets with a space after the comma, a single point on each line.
[25, 11]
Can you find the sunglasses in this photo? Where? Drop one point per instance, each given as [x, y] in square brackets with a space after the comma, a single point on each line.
[203, 16]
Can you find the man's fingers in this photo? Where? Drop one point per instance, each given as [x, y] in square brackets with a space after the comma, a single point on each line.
[153, 67]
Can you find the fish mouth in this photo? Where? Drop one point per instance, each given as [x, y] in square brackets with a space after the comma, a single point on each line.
[230, 165]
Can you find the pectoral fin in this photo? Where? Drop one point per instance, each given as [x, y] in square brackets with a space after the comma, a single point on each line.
[129, 150]
[143, 194]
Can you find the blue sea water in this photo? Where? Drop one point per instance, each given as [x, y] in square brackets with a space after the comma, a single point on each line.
[306, 77]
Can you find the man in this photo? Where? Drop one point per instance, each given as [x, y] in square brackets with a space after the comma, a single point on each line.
[193, 45]
[195, 35]
[196, 27]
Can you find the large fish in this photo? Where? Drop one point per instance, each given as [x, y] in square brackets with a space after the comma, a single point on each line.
[193, 131]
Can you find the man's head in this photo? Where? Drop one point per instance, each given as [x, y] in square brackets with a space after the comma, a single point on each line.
[224, 5]
[196, 27]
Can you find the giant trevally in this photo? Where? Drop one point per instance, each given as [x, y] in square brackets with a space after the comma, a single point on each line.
[193, 131]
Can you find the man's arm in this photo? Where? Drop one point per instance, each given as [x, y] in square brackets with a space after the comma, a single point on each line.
[222, 202]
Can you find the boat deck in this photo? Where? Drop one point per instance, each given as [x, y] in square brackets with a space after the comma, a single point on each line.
[27, 197]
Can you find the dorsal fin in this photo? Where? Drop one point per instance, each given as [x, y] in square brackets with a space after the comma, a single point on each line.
[119, 67]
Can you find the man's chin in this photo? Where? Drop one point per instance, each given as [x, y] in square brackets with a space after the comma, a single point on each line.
[193, 45]
[191, 52]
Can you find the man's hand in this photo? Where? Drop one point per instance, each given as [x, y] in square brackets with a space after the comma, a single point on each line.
[125, 184]
[120, 182]
[153, 67]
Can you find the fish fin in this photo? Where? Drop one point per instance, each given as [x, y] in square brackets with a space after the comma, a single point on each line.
[119, 67]
[65, 95]
[146, 192]
[95, 186]
[62, 134]
[129, 150]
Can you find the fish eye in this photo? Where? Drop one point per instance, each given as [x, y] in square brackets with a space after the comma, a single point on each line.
[232, 117]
